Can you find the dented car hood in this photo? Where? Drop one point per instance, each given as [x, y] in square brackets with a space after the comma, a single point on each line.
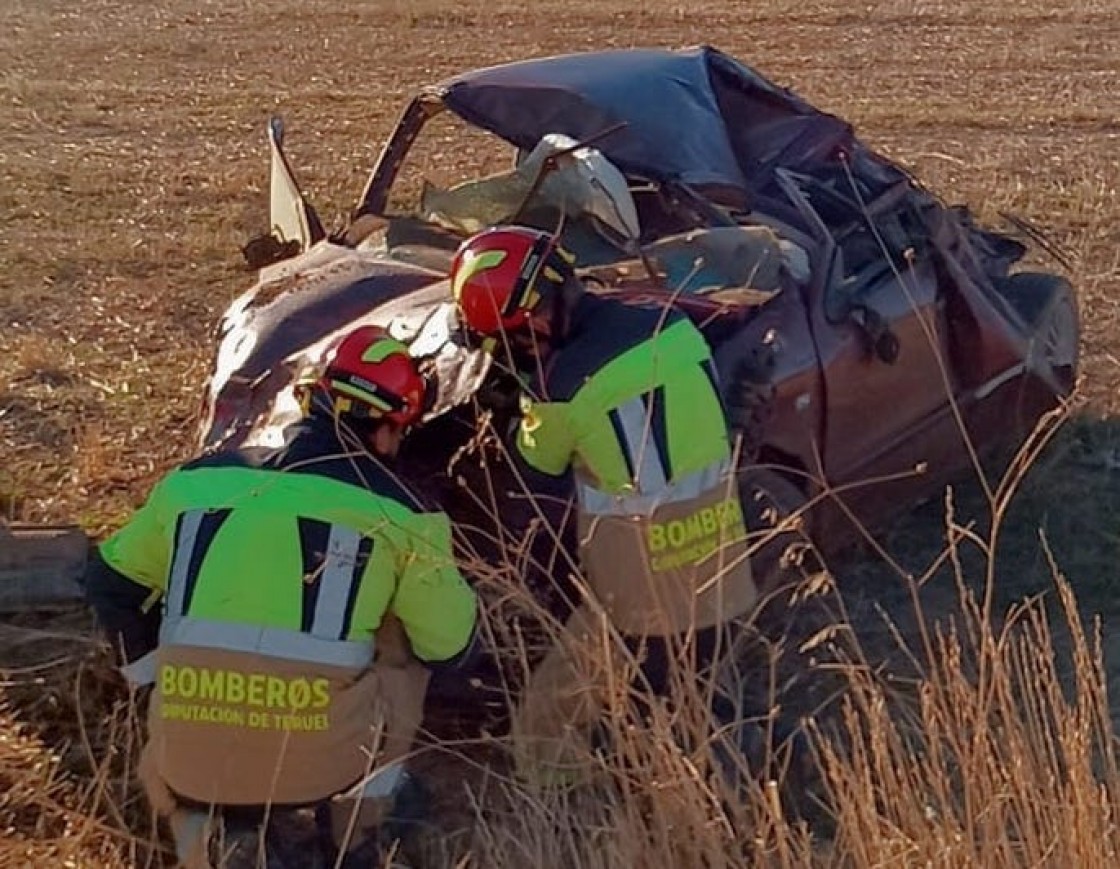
[299, 306]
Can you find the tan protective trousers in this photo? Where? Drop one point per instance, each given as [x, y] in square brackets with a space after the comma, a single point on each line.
[637, 592]
[562, 700]
[401, 683]
[590, 678]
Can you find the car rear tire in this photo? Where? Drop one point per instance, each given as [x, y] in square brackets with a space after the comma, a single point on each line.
[1048, 304]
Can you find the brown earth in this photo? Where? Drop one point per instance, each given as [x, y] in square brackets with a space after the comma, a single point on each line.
[133, 166]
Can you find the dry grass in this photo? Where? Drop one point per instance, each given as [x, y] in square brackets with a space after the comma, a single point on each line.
[977, 738]
[132, 167]
[69, 737]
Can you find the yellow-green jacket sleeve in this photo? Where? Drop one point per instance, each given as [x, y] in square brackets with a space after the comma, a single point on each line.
[437, 607]
[141, 549]
[546, 438]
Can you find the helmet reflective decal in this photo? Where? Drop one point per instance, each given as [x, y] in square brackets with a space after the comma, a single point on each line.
[382, 349]
[524, 295]
[489, 259]
[370, 396]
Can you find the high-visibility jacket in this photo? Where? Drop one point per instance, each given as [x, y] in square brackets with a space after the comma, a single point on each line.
[276, 570]
[631, 402]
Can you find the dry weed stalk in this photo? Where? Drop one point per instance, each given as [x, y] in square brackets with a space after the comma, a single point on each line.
[996, 757]
[999, 760]
[1001, 756]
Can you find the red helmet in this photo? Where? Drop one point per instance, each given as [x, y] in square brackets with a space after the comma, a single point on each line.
[500, 276]
[369, 375]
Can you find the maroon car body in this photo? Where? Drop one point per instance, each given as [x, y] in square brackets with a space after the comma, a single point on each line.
[889, 328]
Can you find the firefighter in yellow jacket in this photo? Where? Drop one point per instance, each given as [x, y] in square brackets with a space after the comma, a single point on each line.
[626, 396]
[289, 605]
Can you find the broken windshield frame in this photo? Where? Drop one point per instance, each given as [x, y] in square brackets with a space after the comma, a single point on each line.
[440, 217]
[665, 209]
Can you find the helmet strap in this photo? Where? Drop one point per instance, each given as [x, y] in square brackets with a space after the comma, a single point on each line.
[564, 301]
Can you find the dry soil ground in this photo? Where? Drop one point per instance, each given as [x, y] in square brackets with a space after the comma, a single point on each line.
[132, 167]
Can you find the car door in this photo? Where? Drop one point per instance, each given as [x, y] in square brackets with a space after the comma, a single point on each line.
[878, 318]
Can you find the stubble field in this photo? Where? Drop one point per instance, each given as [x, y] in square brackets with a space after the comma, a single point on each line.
[133, 167]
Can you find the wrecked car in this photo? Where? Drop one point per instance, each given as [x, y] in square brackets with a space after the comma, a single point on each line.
[870, 338]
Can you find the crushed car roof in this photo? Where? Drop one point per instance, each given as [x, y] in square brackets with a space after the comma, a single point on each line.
[695, 115]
